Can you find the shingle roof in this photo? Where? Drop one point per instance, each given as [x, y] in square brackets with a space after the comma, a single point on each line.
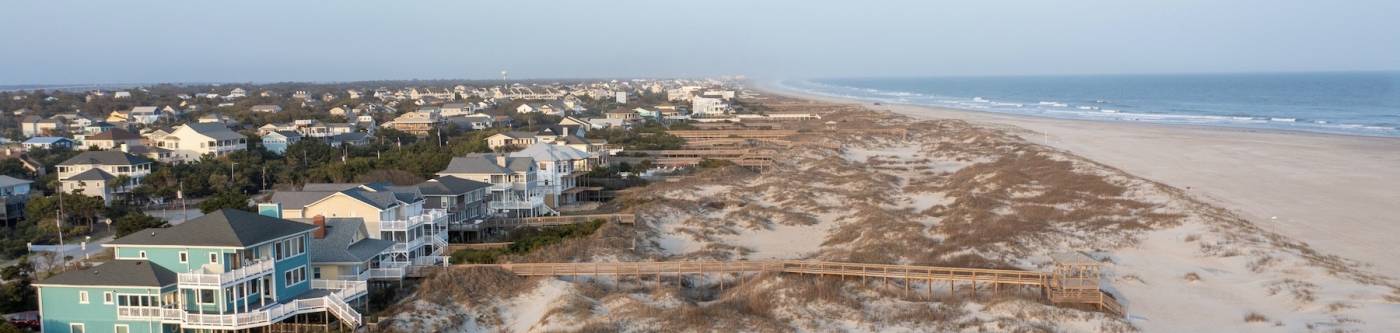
[45, 140]
[134, 273]
[215, 130]
[345, 242]
[550, 152]
[449, 185]
[91, 174]
[298, 199]
[7, 181]
[486, 163]
[105, 157]
[518, 134]
[114, 134]
[225, 228]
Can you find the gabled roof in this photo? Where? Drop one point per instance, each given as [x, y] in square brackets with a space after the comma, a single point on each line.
[517, 134]
[214, 130]
[346, 241]
[550, 152]
[105, 157]
[114, 134]
[92, 174]
[120, 273]
[487, 164]
[46, 140]
[223, 228]
[449, 185]
[7, 181]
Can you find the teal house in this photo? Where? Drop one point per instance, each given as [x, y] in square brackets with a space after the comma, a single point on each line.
[227, 271]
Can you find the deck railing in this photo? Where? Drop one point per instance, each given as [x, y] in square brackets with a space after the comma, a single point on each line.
[203, 279]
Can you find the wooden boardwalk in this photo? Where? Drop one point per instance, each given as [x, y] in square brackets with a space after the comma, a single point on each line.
[910, 274]
[545, 221]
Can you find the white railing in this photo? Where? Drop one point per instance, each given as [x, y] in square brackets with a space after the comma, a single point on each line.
[346, 289]
[141, 312]
[206, 279]
[394, 225]
[429, 261]
[512, 203]
[392, 270]
[332, 303]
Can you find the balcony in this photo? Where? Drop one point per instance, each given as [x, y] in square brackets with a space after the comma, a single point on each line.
[346, 289]
[206, 278]
[531, 203]
[408, 246]
[332, 303]
[389, 270]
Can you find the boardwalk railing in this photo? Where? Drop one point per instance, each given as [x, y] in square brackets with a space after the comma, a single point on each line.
[545, 221]
[910, 273]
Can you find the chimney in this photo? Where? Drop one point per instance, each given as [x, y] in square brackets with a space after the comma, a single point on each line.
[500, 159]
[320, 222]
[125, 148]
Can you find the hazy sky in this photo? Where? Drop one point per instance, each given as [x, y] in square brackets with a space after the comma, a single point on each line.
[235, 41]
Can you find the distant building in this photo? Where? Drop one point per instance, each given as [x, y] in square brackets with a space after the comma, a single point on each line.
[266, 108]
[91, 173]
[277, 141]
[14, 193]
[111, 139]
[47, 142]
[708, 106]
[189, 142]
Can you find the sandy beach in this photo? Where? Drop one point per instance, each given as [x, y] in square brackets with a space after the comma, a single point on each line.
[1340, 194]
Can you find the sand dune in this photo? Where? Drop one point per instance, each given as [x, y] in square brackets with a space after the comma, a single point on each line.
[1340, 194]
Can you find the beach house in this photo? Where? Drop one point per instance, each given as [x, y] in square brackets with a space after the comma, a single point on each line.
[514, 189]
[511, 139]
[390, 213]
[229, 270]
[277, 141]
[558, 167]
[463, 200]
[189, 142]
[14, 193]
[93, 173]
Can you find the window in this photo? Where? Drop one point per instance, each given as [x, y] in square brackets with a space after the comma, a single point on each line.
[82, 297]
[213, 258]
[316, 272]
[77, 328]
[120, 328]
[294, 276]
[184, 257]
[290, 247]
[206, 296]
[142, 254]
[107, 297]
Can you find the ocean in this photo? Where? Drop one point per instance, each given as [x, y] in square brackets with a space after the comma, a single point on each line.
[1351, 103]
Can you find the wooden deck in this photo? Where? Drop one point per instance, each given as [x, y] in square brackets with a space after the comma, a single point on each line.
[910, 274]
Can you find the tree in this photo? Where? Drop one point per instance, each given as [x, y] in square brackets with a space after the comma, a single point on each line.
[134, 222]
[225, 199]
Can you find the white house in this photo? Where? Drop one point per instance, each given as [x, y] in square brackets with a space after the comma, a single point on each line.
[708, 106]
[191, 141]
[92, 173]
[558, 167]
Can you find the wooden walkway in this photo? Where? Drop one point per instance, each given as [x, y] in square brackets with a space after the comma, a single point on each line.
[545, 221]
[910, 274]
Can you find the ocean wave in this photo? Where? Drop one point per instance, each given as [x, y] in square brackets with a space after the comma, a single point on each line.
[1117, 111]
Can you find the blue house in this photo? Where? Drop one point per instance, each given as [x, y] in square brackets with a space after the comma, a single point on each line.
[229, 270]
[277, 141]
[48, 142]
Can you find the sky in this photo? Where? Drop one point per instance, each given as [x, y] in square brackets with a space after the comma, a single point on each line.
[72, 42]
